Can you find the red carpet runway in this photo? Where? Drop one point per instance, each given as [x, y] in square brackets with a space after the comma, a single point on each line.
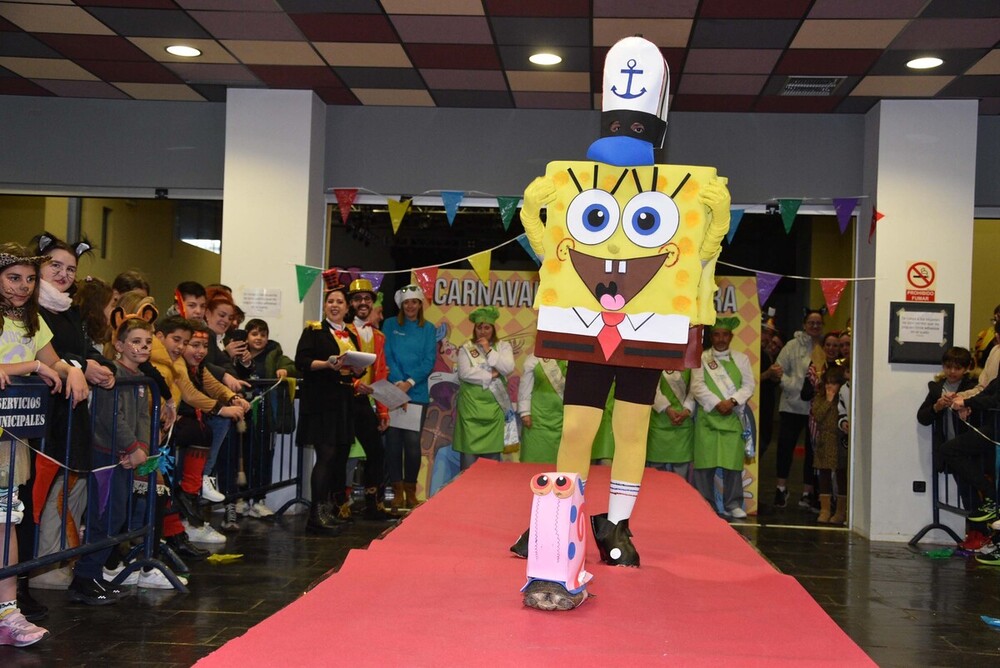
[442, 590]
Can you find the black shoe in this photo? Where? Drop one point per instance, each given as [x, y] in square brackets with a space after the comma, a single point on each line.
[32, 610]
[520, 548]
[173, 560]
[318, 523]
[614, 541]
[375, 512]
[329, 513]
[187, 504]
[183, 546]
[780, 498]
[91, 592]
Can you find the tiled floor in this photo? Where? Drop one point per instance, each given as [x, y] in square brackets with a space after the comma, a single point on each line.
[903, 608]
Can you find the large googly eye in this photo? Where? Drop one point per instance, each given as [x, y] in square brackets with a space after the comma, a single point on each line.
[563, 487]
[541, 484]
[592, 217]
[650, 219]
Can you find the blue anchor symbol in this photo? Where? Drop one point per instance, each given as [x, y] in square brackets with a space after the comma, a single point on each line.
[628, 94]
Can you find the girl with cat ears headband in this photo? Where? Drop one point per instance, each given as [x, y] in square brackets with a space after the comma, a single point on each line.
[47, 242]
[147, 313]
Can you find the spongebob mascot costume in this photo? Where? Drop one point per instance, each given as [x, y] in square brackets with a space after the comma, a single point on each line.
[627, 280]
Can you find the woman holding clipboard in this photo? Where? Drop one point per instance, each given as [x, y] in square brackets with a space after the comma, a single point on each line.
[325, 412]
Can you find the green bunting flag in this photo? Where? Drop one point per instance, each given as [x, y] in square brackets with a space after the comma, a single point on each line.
[789, 208]
[306, 276]
[508, 205]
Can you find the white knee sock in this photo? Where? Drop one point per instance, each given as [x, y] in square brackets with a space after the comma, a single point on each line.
[622, 500]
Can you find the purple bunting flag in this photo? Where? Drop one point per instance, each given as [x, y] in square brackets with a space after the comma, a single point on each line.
[844, 206]
[103, 477]
[765, 286]
[374, 277]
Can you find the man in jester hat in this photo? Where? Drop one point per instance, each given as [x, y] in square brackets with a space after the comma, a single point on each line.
[628, 253]
[723, 432]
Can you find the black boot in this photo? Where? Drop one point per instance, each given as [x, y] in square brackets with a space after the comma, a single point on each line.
[374, 512]
[319, 523]
[614, 541]
[188, 505]
[520, 548]
[32, 610]
[183, 546]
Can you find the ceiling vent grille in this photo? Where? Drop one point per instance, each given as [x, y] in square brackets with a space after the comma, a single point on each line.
[799, 86]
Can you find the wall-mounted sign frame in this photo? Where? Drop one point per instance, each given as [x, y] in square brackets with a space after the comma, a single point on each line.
[920, 333]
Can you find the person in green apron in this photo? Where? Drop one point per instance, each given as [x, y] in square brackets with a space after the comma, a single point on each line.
[670, 444]
[484, 420]
[722, 388]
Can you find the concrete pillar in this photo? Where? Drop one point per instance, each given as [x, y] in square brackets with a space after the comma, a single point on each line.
[920, 173]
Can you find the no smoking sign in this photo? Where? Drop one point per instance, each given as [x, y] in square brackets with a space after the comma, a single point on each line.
[920, 277]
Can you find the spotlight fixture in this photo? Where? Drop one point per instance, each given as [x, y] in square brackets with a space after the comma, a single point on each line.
[545, 59]
[926, 63]
[183, 51]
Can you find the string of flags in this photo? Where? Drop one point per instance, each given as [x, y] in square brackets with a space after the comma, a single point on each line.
[788, 208]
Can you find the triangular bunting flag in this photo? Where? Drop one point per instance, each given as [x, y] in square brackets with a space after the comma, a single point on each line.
[832, 287]
[103, 477]
[305, 276]
[844, 206]
[481, 265]
[735, 216]
[345, 199]
[523, 240]
[374, 277]
[765, 286]
[425, 279]
[396, 212]
[451, 199]
[876, 216]
[508, 205]
[789, 208]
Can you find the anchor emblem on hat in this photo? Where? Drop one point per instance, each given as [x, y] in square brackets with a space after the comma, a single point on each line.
[628, 94]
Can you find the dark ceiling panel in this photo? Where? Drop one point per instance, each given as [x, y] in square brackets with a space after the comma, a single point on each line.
[487, 99]
[346, 27]
[149, 22]
[293, 76]
[539, 8]
[826, 62]
[379, 77]
[542, 32]
[131, 72]
[454, 56]
[94, 47]
[741, 9]
[23, 45]
[743, 33]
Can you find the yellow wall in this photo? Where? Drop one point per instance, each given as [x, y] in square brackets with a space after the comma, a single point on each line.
[140, 236]
[985, 275]
[832, 257]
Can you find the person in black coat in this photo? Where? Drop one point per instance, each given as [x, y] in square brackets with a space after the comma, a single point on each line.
[325, 411]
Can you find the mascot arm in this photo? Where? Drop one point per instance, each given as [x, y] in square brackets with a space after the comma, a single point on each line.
[716, 197]
[539, 193]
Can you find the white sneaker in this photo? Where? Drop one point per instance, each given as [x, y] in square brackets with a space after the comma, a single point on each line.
[111, 574]
[210, 491]
[260, 510]
[243, 508]
[737, 513]
[205, 534]
[154, 579]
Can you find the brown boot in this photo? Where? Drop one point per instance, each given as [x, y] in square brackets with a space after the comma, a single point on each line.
[824, 509]
[840, 517]
[398, 503]
[410, 489]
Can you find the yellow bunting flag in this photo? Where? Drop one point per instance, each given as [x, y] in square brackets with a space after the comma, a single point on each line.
[396, 212]
[481, 264]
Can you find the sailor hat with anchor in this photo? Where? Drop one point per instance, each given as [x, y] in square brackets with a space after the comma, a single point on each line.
[634, 106]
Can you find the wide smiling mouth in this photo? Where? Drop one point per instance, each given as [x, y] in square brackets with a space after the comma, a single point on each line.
[614, 282]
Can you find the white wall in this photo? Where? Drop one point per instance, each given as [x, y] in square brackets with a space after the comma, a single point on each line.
[924, 181]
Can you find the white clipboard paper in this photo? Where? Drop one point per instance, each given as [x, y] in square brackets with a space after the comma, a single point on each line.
[407, 417]
[388, 394]
[355, 359]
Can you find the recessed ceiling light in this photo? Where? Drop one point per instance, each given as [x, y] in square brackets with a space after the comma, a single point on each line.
[545, 59]
[927, 63]
[183, 51]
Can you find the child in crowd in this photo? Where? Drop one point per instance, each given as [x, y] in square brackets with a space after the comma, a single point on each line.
[192, 431]
[189, 301]
[830, 448]
[266, 361]
[25, 348]
[936, 412]
[126, 281]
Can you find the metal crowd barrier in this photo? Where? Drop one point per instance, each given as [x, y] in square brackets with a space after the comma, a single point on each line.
[25, 416]
[270, 458]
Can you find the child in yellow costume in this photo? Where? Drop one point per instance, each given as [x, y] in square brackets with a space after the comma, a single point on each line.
[629, 250]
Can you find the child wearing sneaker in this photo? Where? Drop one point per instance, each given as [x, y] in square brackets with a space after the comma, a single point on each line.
[266, 361]
[936, 412]
[26, 348]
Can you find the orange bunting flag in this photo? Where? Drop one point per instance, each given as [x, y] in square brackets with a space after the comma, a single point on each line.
[876, 216]
[832, 287]
[426, 278]
[481, 265]
[396, 212]
[345, 199]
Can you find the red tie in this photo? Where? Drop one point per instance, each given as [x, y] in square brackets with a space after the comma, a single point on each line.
[609, 338]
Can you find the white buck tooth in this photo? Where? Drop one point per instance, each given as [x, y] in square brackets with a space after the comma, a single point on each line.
[607, 266]
[621, 267]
